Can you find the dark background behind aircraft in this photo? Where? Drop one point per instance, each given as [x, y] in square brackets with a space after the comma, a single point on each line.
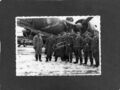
[110, 15]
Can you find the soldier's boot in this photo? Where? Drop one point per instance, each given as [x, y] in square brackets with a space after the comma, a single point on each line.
[47, 59]
[71, 58]
[76, 59]
[50, 58]
[76, 56]
[91, 58]
[97, 61]
[40, 58]
[62, 58]
[66, 59]
[36, 57]
[24, 45]
[86, 60]
[81, 60]
[91, 61]
[56, 58]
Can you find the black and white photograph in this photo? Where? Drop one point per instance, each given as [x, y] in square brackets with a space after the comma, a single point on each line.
[41, 0]
[0, 51]
[58, 45]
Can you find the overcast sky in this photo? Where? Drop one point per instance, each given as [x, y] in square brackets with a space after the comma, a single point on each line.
[94, 21]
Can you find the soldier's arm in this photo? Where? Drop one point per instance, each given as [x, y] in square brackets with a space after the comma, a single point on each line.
[42, 42]
[34, 41]
[46, 43]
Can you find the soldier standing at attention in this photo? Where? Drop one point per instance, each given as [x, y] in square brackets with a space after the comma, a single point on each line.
[87, 50]
[37, 44]
[49, 47]
[77, 47]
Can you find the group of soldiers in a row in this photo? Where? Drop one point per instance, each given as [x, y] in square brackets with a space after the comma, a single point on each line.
[83, 47]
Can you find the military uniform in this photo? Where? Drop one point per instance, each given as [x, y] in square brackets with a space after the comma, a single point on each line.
[59, 48]
[95, 49]
[49, 47]
[87, 49]
[68, 47]
[37, 44]
[77, 48]
[63, 48]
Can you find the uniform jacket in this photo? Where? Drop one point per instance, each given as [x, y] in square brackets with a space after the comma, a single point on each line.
[37, 43]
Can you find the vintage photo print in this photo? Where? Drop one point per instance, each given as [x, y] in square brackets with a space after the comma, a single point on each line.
[58, 45]
[40, 0]
[0, 51]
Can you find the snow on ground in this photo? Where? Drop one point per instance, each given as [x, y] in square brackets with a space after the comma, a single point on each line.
[27, 66]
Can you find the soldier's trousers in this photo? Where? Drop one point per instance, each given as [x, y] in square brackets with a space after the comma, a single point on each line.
[38, 57]
[88, 54]
[68, 54]
[49, 57]
[49, 52]
[78, 54]
[96, 57]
